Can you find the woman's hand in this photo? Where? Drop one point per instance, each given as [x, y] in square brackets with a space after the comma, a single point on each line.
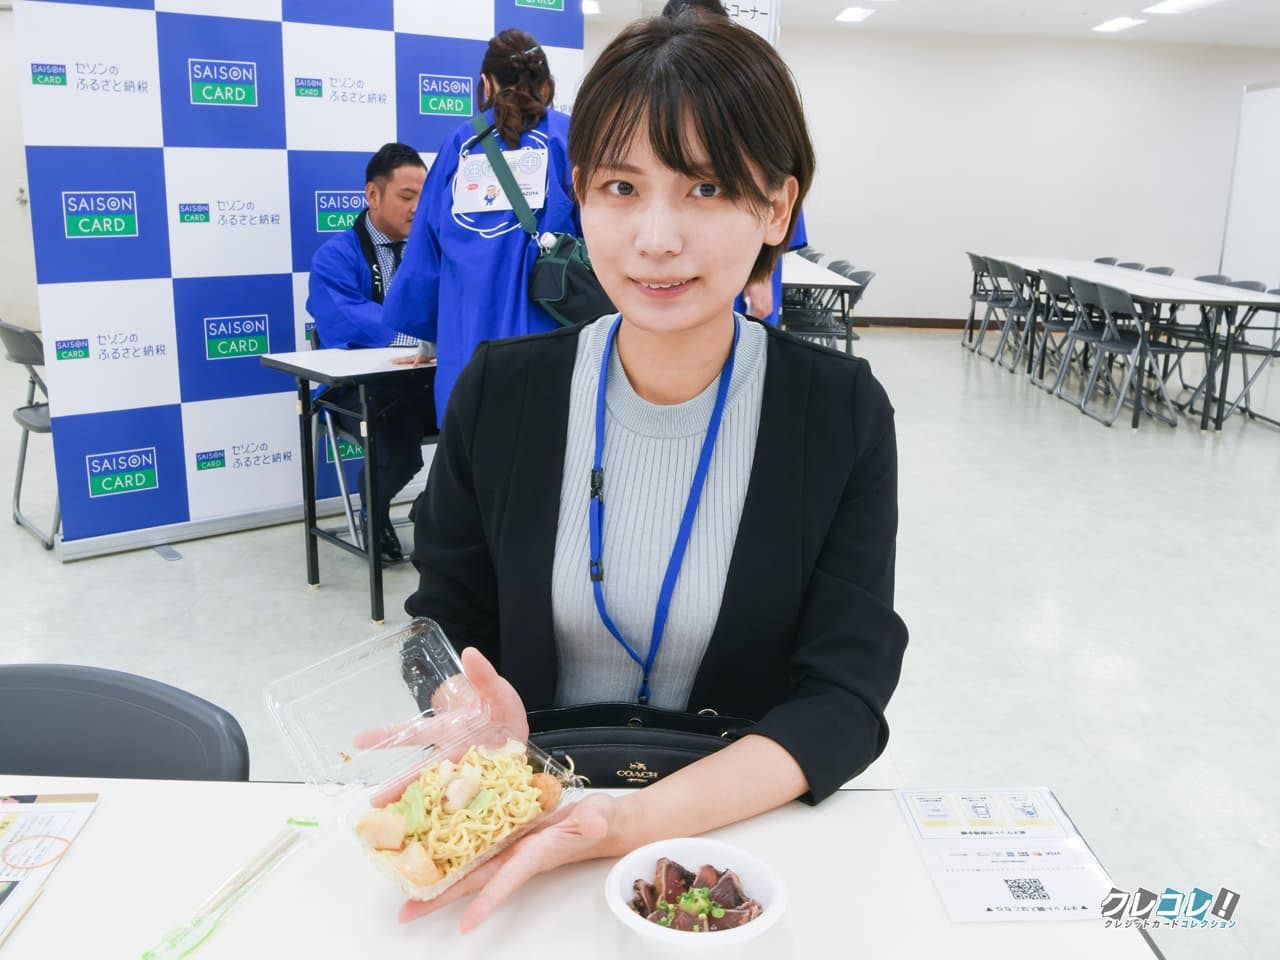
[583, 831]
[506, 710]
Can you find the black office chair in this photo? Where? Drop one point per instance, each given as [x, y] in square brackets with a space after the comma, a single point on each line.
[812, 254]
[840, 266]
[1162, 271]
[1109, 261]
[1132, 265]
[63, 720]
[23, 346]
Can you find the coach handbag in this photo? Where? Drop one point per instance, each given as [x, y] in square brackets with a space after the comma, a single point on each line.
[562, 281]
[627, 744]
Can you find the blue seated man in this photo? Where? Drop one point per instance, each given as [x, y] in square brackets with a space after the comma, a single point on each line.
[350, 276]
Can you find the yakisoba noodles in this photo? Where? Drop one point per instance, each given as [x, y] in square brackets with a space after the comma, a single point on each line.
[454, 812]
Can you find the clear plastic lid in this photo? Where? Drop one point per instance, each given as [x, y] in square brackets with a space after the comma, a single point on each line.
[379, 709]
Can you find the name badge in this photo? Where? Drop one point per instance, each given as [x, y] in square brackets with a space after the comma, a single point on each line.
[476, 189]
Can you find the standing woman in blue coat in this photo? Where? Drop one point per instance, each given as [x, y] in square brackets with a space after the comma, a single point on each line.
[465, 274]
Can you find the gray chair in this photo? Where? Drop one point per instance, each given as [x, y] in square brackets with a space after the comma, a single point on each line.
[840, 266]
[1085, 334]
[23, 346]
[335, 432]
[811, 254]
[1126, 339]
[1001, 298]
[1162, 271]
[1109, 261]
[979, 292]
[63, 720]
[1059, 317]
[1132, 265]
[1265, 349]
[1019, 317]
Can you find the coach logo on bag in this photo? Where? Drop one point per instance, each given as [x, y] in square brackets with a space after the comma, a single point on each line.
[637, 772]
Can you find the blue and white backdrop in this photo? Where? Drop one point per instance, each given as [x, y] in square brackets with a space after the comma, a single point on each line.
[185, 159]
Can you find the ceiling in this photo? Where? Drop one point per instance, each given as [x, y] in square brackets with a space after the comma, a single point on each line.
[1243, 22]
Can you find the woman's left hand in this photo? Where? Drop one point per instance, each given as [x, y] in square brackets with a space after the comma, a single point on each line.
[583, 831]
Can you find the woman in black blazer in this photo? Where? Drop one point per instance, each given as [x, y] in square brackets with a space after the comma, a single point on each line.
[687, 191]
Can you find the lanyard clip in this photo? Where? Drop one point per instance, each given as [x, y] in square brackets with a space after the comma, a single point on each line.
[642, 697]
[597, 484]
[597, 571]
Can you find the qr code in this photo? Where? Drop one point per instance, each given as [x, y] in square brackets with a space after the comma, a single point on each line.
[1031, 889]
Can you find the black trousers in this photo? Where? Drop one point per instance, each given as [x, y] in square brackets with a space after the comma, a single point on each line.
[405, 417]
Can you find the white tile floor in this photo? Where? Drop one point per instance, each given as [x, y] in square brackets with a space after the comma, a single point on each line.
[1090, 609]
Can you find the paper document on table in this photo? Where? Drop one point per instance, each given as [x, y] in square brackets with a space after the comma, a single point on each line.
[36, 830]
[1008, 854]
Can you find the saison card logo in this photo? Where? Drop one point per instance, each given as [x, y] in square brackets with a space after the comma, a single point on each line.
[226, 338]
[223, 83]
[122, 471]
[71, 349]
[99, 214]
[49, 74]
[444, 96]
[336, 210]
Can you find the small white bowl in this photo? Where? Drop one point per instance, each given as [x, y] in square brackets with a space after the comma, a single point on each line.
[759, 882]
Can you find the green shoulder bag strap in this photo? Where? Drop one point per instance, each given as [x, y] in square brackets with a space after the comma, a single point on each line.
[487, 138]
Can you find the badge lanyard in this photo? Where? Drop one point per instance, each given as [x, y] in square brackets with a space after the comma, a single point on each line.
[595, 511]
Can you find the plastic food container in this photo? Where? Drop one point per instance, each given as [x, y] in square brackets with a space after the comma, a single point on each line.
[366, 722]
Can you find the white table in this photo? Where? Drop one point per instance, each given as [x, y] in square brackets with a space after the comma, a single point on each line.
[799, 272]
[1152, 289]
[153, 850]
[364, 369]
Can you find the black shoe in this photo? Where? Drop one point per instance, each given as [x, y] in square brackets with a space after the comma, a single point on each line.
[390, 543]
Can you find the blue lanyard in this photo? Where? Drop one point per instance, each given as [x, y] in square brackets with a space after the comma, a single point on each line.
[595, 511]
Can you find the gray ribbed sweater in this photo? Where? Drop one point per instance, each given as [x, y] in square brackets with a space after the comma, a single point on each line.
[650, 455]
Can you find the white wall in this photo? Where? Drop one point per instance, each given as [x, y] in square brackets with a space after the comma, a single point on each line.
[18, 274]
[929, 145]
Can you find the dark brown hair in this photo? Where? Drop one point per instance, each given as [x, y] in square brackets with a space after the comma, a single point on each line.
[519, 65]
[705, 75]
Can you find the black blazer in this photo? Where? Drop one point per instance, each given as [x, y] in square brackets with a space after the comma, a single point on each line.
[806, 642]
